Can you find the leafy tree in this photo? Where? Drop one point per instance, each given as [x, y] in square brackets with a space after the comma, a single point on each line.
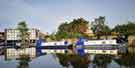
[125, 29]
[121, 29]
[24, 35]
[73, 29]
[79, 25]
[64, 27]
[61, 35]
[131, 28]
[99, 27]
[51, 37]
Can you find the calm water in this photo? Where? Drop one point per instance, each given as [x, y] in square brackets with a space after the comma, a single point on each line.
[72, 61]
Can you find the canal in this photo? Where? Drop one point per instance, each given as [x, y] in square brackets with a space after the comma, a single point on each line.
[72, 61]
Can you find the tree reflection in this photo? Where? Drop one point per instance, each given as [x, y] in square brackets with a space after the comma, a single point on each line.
[75, 60]
[127, 60]
[101, 61]
[63, 59]
[24, 61]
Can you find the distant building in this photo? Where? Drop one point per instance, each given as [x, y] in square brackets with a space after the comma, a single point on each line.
[13, 36]
[89, 31]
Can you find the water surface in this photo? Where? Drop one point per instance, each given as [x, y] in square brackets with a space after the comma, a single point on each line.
[73, 61]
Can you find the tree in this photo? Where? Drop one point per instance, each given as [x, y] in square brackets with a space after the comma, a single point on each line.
[131, 28]
[73, 29]
[79, 25]
[106, 31]
[61, 35]
[122, 29]
[99, 27]
[125, 29]
[24, 34]
[64, 27]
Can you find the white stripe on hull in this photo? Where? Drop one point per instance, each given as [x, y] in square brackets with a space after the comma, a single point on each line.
[101, 51]
[52, 51]
[53, 43]
[101, 42]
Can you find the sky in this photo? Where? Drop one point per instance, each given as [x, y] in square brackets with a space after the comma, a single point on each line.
[47, 15]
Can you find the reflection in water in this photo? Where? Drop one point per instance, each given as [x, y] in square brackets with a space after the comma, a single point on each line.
[24, 61]
[75, 61]
[127, 61]
[101, 61]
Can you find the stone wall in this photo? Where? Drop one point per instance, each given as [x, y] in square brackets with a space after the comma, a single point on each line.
[131, 40]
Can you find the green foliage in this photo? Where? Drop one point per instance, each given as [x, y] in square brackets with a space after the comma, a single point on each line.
[22, 27]
[98, 24]
[73, 29]
[125, 29]
[131, 28]
[99, 27]
[61, 35]
[52, 37]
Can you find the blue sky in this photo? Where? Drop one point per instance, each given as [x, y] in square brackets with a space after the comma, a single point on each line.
[46, 15]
